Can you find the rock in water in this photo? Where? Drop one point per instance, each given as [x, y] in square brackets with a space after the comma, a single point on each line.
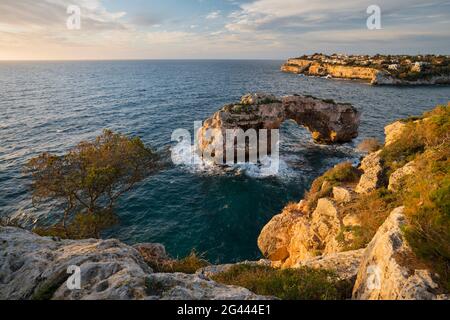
[328, 122]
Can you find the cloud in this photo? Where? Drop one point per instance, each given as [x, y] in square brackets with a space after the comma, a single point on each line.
[213, 15]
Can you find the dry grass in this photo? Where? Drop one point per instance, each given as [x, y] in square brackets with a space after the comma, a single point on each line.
[287, 284]
[341, 174]
[369, 145]
[189, 264]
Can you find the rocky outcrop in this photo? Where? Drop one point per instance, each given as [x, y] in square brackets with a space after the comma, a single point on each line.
[34, 267]
[210, 271]
[328, 122]
[295, 235]
[342, 195]
[374, 173]
[397, 177]
[387, 270]
[320, 69]
[393, 132]
[345, 264]
[180, 286]
[378, 70]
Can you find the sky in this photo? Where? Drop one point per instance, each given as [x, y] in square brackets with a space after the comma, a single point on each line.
[219, 29]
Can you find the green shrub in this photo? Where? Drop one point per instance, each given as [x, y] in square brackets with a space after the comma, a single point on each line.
[287, 284]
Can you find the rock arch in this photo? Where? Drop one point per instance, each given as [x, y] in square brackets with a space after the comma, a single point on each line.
[329, 122]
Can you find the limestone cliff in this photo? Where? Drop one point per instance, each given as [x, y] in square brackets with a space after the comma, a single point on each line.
[378, 70]
[344, 212]
[34, 267]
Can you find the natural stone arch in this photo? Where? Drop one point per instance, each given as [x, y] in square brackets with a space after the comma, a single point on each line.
[329, 122]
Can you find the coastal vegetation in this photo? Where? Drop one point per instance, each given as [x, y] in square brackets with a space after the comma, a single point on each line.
[86, 182]
[424, 142]
[287, 284]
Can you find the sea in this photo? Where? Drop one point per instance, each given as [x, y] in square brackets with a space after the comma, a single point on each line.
[219, 212]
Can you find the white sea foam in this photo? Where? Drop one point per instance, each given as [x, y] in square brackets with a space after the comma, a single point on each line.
[186, 156]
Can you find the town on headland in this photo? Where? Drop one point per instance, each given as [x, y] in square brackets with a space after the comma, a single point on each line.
[377, 69]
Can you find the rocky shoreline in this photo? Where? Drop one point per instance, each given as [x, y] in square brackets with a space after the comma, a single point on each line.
[322, 231]
[377, 70]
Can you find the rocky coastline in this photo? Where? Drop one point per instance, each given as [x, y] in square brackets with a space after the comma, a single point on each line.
[377, 70]
[323, 231]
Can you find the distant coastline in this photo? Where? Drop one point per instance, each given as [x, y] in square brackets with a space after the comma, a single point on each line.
[378, 69]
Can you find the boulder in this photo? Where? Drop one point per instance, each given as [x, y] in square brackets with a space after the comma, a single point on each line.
[373, 176]
[210, 271]
[180, 286]
[274, 239]
[387, 270]
[342, 195]
[294, 235]
[345, 264]
[393, 132]
[34, 267]
[397, 177]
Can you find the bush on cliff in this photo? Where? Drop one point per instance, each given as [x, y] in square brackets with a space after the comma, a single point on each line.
[427, 204]
[426, 194]
[287, 284]
[189, 264]
[86, 182]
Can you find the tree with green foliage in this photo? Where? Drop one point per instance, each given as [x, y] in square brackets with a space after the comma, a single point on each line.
[87, 181]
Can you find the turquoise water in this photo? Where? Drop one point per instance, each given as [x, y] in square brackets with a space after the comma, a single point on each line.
[51, 106]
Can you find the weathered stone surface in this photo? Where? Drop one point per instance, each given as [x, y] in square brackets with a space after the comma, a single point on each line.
[371, 69]
[30, 265]
[275, 237]
[154, 254]
[209, 271]
[180, 286]
[33, 267]
[295, 235]
[373, 176]
[345, 264]
[396, 178]
[328, 122]
[342, 195]
[393, 132]
[383, 276]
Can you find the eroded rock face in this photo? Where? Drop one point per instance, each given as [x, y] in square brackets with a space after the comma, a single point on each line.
[328, 122]
[386, 273]
[345, 264]
[393, 132]
[342, 195]
[294, 235]
[396, 178]
[34, 267]
[180, 286]
[373, 176]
